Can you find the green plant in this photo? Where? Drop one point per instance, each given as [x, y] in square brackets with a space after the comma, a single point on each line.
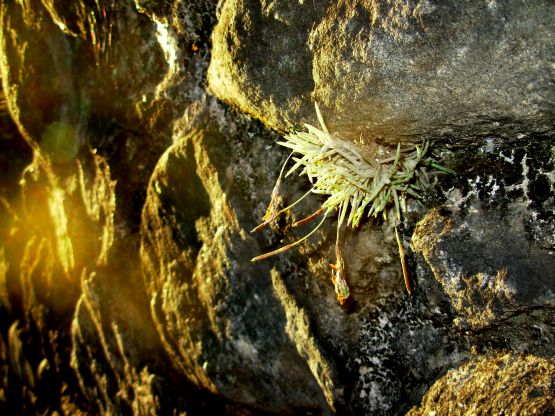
[354, 180]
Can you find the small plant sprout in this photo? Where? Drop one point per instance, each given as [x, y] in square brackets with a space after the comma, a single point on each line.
[355, 182]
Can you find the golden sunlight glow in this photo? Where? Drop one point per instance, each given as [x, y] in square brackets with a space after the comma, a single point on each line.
[64, 246]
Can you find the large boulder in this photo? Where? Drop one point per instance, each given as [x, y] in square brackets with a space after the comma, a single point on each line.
[216, 312]
[401, 70]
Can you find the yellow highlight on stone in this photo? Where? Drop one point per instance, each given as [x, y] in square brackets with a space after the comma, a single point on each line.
[64, 247]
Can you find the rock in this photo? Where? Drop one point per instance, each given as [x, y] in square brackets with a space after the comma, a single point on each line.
[388, 70]
[211, 309]
[492, 241]
[183, 33]
[50, 235]
[15, 154]
[216, 312]
[487, 267]
[118, 359]
[43, 244]
[85, 56]
[504, 382]
[126, 281]
[59, 92]
[400, 348]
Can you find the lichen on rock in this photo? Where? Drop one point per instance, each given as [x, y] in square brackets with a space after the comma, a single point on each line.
[483, 250]
[486, 385]
[132, 173]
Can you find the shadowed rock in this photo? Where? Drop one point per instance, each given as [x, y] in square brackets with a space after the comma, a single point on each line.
[126, 285]
[215, 311]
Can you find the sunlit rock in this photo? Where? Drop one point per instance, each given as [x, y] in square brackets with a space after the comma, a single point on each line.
[215, 311]
[488, 385]
[389, 70]
[126, 281]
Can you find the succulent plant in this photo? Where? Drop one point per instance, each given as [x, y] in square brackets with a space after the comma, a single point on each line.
[355, 180]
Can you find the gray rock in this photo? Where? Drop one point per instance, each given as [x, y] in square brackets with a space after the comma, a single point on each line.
[219, 316]
[486, 265]
[126, 284]
[213, 308]
[402, 70]
[399, 350]
[491, 245]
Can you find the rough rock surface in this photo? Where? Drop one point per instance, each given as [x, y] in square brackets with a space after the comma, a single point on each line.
[126, 285]
[486, 385]
[489, 275]
[395, 70]
[69, 233]
[211, 305]
[491, 245]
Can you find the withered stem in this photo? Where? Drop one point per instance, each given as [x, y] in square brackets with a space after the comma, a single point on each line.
[403, 263]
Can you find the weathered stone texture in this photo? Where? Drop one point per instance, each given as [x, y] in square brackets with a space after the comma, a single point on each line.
[400, 70]
[498, 384]
[78, 83]
[126, 281]
[215, 311]
[491, 245]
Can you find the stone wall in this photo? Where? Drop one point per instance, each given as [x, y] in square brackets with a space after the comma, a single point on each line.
[138, 147]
